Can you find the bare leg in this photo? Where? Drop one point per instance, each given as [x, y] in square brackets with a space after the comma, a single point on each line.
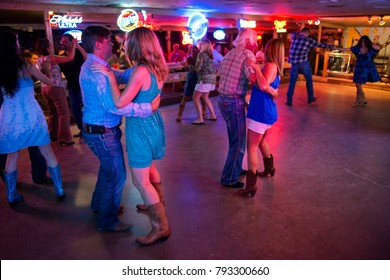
[205, 97]
[253, 143]
[263, 146]
[154, 175]
[12, 162]
[141, 181]
[49, 155]
[196, 98]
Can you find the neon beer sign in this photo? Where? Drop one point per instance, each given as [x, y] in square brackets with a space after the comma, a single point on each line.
[128, 20]
[65, 21]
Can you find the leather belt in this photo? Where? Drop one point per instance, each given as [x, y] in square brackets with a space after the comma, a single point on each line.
[97, 129]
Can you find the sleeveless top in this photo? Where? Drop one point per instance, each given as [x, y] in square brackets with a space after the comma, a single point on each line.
[262, 107]
[22, 122]
[145, 137]
[55, 72]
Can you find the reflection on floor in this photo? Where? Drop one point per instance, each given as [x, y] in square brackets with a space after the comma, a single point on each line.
[329, 199]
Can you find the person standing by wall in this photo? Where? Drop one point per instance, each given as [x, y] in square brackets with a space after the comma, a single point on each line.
[177, 55]
[233, 85]
[71, 71]
[101, 127]
[299, 59]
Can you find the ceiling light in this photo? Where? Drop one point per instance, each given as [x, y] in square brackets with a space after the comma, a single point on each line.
[382, 22]
[317, 22]
[309, 21]
[369, 20]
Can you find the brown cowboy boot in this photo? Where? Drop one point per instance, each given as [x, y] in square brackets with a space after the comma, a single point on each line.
[268, 167]
[250, 188]
[160, 228]
[157, 186]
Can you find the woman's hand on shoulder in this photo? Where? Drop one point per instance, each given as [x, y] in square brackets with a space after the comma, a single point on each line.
[100, 68]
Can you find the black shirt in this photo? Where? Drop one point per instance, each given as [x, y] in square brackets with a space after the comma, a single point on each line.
[72, 69]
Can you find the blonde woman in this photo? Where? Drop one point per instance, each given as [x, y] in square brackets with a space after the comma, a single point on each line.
[145, 137]
[206, 80]
[262, 113]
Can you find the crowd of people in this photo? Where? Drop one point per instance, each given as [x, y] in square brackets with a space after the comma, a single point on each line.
[99, 106]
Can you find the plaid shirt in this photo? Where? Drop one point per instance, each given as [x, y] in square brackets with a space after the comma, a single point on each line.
[300, 47]
[235, 72]
[99, 108]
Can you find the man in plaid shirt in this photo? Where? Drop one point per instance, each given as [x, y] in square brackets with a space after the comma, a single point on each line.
[233, 85]
[298, 57]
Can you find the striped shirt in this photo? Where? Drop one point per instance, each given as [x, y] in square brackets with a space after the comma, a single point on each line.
[235, 72]
[300, 47]
[99, 108]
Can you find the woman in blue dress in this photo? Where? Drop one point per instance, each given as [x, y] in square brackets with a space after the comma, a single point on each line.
[145, 137]
[262, 113]
[22, 122]
[365, 70]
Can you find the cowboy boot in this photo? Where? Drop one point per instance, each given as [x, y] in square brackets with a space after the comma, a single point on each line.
[55, 175]
[160, 228]
[250, 188]
[157, 186]
[268, 167]
[357, 102]
[10, 182]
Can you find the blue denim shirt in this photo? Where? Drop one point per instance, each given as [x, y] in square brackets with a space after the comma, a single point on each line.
[99, 108]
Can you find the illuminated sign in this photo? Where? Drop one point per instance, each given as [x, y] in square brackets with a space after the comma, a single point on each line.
[127, 20]
[197, 25]
[64, 21]
[219, 34]
[279, 26]
[75, 34]
[242, 23]
[186, 38]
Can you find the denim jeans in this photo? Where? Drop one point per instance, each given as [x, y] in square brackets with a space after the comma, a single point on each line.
[233, 112]
[296, 69]
[76, 103]
[111, 176]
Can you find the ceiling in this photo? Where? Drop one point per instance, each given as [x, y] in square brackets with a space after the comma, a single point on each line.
[221, 13]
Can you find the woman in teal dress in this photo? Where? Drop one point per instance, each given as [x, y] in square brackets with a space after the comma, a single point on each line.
[145, 137]
[365, 70]
[22, 122]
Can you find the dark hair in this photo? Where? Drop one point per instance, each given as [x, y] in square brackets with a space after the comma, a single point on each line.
[93, 34]
[366, 40]
[305, 30]
[10, 62]
[67, 35]
[41, 46]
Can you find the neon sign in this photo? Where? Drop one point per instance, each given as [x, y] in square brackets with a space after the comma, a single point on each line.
[197, 25]
[65, 21]
[186, 38]
[219, 34]
[279, 26]
[242, 23]
[128, 20]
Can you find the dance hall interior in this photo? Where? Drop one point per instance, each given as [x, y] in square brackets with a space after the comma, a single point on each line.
[329, 198]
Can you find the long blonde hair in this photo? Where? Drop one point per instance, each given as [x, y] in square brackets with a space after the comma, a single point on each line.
[274, 52]
[143, 47]
[207, 47]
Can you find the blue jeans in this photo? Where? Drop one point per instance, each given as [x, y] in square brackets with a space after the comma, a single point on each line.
[76, 104]
[233, 112]
[296, 69]
[111, 176]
